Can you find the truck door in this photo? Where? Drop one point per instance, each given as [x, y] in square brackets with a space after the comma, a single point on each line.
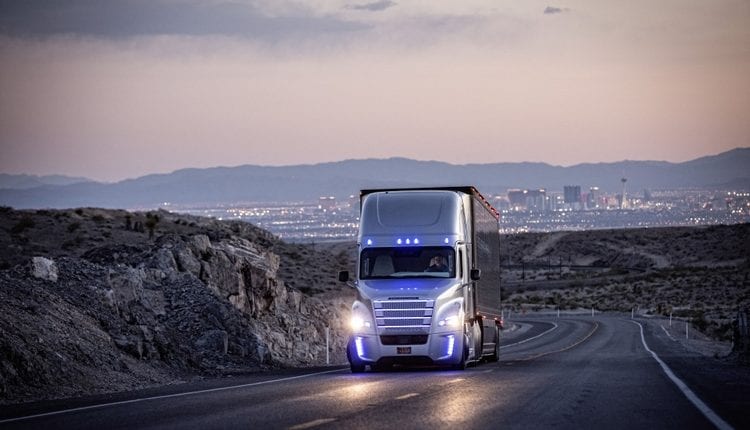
[463, 267]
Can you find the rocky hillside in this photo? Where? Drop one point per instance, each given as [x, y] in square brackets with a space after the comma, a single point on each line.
[701, 273]
[98, 300]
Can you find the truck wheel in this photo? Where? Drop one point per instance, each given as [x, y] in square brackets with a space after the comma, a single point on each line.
[496, 353]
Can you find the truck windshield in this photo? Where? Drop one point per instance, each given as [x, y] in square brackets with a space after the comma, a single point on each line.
[408, 262]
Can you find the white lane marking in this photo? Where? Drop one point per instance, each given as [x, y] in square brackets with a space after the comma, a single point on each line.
[529, 339]
[702, 407]
[667, 333]
[166, 396]
[406, 396]
[313, 423]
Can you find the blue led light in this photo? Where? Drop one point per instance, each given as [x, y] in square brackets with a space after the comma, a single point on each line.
[359, 346]
[398, 241]
[416, 241]
[408, 241]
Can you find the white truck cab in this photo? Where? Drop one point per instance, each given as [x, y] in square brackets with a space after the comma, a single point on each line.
[428, 284]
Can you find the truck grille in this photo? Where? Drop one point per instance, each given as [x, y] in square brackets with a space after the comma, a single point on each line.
[394, 313]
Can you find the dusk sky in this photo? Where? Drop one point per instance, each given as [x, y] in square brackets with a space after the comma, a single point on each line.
[118, 89]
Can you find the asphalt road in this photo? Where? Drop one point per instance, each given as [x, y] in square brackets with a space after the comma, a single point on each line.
[571, 372]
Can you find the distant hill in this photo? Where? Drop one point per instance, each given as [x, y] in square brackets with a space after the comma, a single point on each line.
[248, 183]
[22, 182]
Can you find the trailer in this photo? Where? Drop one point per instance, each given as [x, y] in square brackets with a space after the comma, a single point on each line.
[428, 279]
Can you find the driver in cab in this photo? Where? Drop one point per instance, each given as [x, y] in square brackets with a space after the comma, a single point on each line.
[437, 264]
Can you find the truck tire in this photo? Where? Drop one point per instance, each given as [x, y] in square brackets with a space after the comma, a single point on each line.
[496, 353]
[357, 368]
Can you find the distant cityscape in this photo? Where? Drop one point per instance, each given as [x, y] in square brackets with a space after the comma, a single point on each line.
[522, 210]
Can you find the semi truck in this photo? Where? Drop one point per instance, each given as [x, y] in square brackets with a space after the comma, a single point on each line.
[427, 279]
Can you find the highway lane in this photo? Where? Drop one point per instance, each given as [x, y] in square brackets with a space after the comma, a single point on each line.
[565, 373]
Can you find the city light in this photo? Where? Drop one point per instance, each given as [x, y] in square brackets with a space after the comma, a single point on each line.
[534, 210]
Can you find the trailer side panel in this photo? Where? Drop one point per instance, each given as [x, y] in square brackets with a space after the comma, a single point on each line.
[487, 259]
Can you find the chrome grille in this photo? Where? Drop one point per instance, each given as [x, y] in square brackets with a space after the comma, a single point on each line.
[403, 305]
[394, 313]
[411, 313]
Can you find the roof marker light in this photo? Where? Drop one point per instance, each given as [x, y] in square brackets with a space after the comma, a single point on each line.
[408, 241]
[446, 240]
[416, 241]
[398, 241]
[369, 242]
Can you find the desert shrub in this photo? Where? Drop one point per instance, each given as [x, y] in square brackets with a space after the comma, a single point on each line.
[699, 321]
[535, 299]
[5, 209]
[79, 211]
[23, 224]
[98, 218]
[151, 221]
[75, 225]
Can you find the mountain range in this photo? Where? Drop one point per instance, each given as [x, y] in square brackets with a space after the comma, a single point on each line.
[249, 183]
[31, 181]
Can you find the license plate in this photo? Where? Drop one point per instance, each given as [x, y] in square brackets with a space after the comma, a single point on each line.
[403, 350]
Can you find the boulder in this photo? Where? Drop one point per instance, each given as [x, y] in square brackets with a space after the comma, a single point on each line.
[44, 268]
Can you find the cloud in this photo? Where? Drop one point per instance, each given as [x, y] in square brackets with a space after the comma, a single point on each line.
[551, 10]
[128, 18]
[374, 6]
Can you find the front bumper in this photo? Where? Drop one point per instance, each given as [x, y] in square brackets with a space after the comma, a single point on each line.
[440, 348]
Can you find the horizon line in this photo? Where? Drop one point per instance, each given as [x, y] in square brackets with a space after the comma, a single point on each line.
[277, 166]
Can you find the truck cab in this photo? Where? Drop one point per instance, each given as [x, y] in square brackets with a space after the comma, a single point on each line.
[427, 288]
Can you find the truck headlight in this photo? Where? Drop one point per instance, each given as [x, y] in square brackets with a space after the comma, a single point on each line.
[361, 321]
[358, 323]
[449, 321]
[450, 315]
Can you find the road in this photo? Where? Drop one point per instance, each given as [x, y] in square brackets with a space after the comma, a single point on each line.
[571, 372]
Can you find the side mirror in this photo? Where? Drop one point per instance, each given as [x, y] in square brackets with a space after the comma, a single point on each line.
[475, 274]
[344, 276]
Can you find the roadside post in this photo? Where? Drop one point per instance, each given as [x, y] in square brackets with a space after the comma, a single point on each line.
[328, 337]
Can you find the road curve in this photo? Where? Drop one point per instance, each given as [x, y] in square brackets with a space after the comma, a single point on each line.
[575, 372]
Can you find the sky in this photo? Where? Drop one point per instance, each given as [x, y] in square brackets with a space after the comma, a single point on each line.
[115, 90]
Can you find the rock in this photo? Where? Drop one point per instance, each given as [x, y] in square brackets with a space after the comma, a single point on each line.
[294, 299]
[130, 344]
[163, 260]
[44, 268]
[186, 261]
[200, 244]
[214, 341]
